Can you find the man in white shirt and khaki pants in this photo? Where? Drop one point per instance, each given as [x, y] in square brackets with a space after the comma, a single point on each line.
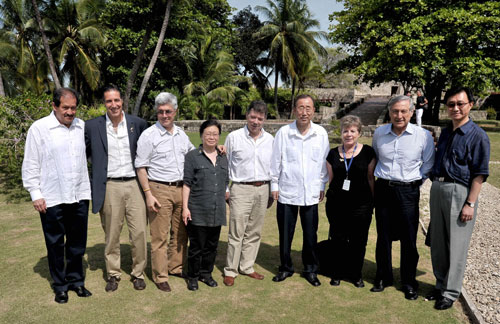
[298, 179]
[160, 168]
[55, 173]
[249, 152]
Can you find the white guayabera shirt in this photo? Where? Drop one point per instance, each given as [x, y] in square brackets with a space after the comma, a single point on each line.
[298, 164]
[55, 165]
[249, 159]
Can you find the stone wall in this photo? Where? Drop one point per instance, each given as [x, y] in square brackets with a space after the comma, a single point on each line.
[474, 114]
[270, 126]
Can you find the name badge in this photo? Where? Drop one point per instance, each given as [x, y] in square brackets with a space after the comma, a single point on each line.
[346, 185]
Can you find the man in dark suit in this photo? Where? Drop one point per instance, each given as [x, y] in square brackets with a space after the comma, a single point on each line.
[111, 142]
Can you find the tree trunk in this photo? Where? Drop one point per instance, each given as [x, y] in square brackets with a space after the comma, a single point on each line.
[46, 46]
[293, 99]
[152, 63]
[135, 68]
[2, 89]
[276, 87]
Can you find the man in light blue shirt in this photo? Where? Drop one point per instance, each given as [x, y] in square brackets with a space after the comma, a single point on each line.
[405, 155]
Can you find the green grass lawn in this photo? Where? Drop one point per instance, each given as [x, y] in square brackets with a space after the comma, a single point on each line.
[26, 296]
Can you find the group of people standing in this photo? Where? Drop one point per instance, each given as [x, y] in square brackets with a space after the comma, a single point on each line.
[155, 175]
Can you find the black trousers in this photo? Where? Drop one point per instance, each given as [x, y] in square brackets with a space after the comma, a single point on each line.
[287, 219]
[65, 258]
[397, 212]
[349, 226]
[203, 241]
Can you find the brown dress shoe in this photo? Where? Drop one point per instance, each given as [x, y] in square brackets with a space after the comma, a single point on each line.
[255, 275]
[112, 284]
[228, 281]
[163, 286]
[139, 284]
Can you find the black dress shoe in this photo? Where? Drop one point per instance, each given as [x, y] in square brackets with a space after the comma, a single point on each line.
[335, 282]
[358, 283]
[443, 303]
[61, 297]
[282, 275]
[209, 282]
[112, 284]
[312, 278]
[434, 295]
[192, 284]
[380, 285]
[81, 291]
[410, 293]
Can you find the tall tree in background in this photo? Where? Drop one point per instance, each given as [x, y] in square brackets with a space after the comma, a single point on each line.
[45, 41]
[426, 43]
[249, 50]
[78, 38]
[289, 38]
[29, 72]
[152, 63]
[212, 76]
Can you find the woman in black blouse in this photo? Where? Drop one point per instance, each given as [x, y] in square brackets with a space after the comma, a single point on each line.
[204, 203]
[349, 203]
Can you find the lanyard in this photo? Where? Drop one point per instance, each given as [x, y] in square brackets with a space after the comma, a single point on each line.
[347, 167]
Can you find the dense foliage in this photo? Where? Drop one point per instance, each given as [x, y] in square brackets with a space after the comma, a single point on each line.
[422, 43]
[16, 116]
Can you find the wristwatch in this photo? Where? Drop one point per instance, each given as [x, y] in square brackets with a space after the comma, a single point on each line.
[470, 204]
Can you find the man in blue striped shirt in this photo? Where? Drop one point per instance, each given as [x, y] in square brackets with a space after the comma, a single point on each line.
[405, 155]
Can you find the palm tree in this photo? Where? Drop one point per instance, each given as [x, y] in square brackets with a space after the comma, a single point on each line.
[8, 58]
[46, 45]
[287, 31]
[152, 63]
[77, 38]
[212, 74]
[30, 64]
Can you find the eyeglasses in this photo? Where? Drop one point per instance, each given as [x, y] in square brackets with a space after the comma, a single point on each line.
[458, 104]
[165, 112]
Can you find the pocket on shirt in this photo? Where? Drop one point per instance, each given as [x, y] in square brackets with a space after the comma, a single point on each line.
[316, 153]
[460, 160]
[315, 189]
[292, 154]
[288, 190]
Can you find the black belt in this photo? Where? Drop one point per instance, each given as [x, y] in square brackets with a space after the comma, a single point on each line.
[121, 179]
[173, 183]
[255, 183]
[445, 179]
[392, 183]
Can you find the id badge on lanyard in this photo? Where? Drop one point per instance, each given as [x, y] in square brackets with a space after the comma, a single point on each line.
[347, 183]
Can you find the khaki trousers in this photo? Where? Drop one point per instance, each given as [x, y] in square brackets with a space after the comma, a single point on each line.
[124, 200]
[248, 206]
[167, 257]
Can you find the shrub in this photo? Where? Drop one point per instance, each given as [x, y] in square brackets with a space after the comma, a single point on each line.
[16, 116]
[491, 113]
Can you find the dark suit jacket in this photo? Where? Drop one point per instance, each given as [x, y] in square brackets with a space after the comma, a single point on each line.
[96, 141]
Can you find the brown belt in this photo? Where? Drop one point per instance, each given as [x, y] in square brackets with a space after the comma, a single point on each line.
[255, 183]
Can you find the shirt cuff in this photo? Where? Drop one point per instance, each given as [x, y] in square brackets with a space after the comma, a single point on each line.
[36, 194]
[274, 187]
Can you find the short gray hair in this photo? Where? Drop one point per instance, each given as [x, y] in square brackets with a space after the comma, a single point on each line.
[165, 98]
[350, 121]
[399, 98]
